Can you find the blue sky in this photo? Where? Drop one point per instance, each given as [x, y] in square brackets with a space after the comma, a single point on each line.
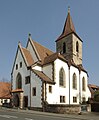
[44, 19]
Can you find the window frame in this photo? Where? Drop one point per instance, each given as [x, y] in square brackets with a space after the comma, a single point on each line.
[50, 89]
[20, 64]
[62, 78]
[77, 47]
[74, 81]
[27, 80]
[16, 66]
[64, 47]
[62, 99]
[34, 91]
[74, 99]
[83, 84]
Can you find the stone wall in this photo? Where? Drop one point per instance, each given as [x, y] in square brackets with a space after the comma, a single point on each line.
[63, 109]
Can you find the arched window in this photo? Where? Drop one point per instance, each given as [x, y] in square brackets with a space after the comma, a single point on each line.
[62, 77]
[64, 47]
[18, 81]
[74, 85]
[77, 47]
[83, 84]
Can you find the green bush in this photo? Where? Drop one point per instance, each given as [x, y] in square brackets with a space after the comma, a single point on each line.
[96, 96]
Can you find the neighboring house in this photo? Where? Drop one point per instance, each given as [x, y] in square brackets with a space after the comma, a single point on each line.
[5, 93]
[41, 77]
[93, 89]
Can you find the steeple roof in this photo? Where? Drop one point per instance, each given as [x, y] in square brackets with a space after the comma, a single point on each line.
[68, 26]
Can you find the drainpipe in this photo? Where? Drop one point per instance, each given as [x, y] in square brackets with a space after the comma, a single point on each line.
[30, 87]
[79, 92]
[69, 83]
[42, 95]
[11, 89]
[79, 88]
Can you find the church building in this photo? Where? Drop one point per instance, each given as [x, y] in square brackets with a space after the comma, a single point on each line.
[47, 80]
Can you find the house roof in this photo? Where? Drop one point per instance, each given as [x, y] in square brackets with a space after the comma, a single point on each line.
[43, 77]
[41, 51]
[28, 56]
[92, 89]
[5, 89]
[68, 28]
[53, 57]
[17, 90]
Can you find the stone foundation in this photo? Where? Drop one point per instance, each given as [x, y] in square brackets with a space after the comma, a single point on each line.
[63, 109]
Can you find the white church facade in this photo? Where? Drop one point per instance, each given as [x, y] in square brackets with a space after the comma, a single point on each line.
[41, 77]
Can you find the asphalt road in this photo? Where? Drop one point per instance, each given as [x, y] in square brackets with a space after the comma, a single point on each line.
[9, 115]
[30, 115]
[18, 115]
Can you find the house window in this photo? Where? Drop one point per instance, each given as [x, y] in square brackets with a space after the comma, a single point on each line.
[74, 81]
[27, 80]
[62, 77]
[19, 81]
[64, 47]
[62, 99]
[16, 66]
[83, 99]
[77, 47]
[5, 101]
[20, 64]
[34, 91]
[74, 99]
[83, 84]
[50, 89]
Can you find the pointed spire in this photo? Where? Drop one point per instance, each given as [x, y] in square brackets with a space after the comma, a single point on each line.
[29, 36]
[68, 9]
[68, 26]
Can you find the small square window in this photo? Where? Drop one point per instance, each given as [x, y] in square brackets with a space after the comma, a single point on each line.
[27, 80]
[20, 64]
[83, 99]
[34, 91]
[16, 66]
[74, 99]
[50, 89]
[62, 99]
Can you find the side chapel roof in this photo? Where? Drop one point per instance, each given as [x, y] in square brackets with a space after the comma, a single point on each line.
[43, 77]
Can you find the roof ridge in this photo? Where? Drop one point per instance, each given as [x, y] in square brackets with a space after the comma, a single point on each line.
[43, 76]
[42, 45]
[21, 48]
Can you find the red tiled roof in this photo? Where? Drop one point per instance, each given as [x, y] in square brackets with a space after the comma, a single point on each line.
[43, 76]
[68, 27]
[28, 56]
[17, 90]
[41, 51]
[5, 89]
[52, 58]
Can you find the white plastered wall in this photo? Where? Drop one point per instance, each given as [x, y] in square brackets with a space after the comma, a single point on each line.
[57, 91]
[24, 72]
[36, 82]
[74, 92]
[86, 93]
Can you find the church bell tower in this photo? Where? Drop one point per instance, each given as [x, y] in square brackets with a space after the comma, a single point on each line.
[69, 43]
